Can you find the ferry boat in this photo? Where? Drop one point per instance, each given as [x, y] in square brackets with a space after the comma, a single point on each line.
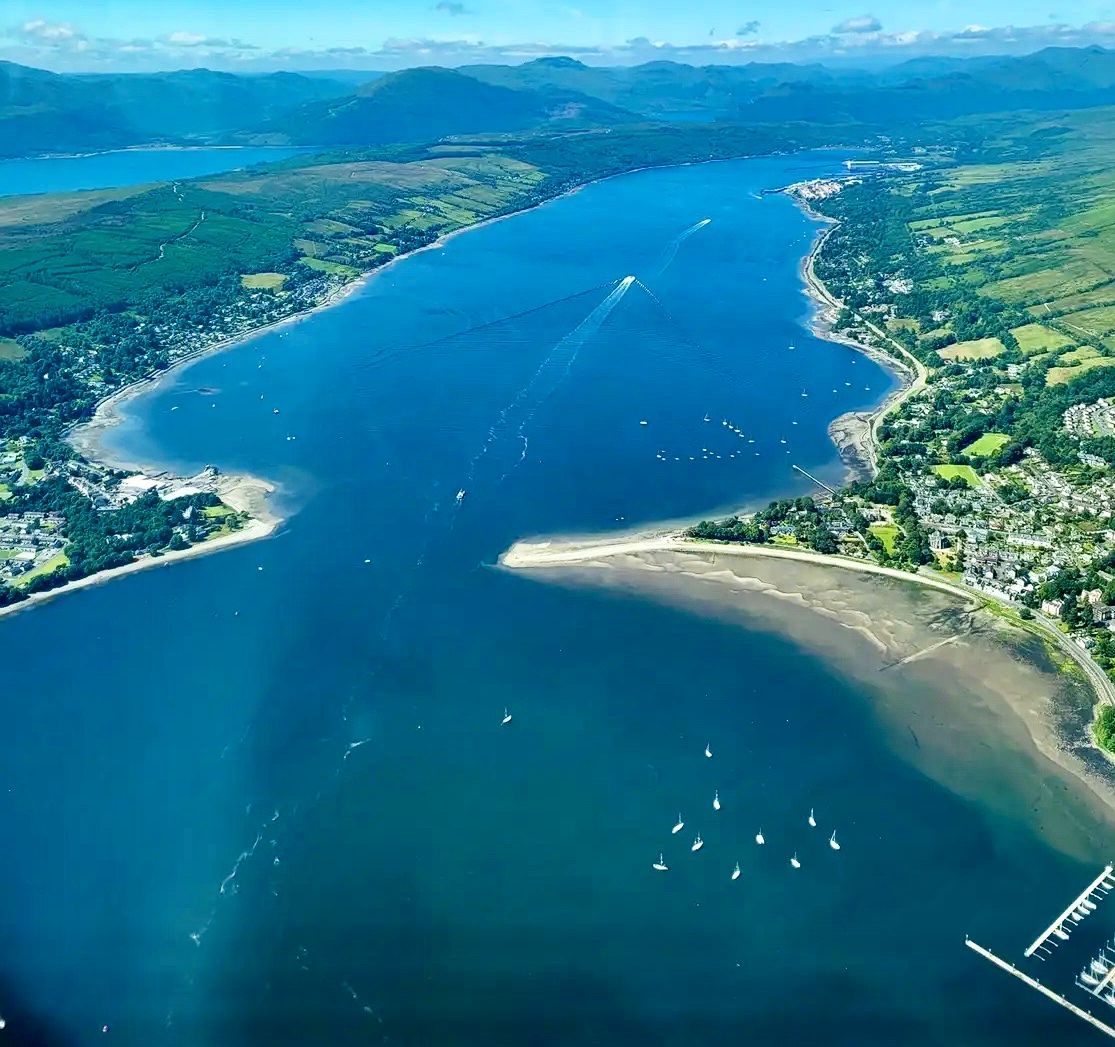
[697, 843]
[661, 865]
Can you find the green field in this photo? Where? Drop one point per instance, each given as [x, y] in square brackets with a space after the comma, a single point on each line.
[987, 444]
[1037, 338]
[1057, 375]
[11, 349]
[264, 281]
[966, 472]
[333, 268]
[977, 349]
[886, 533]
[44, 568]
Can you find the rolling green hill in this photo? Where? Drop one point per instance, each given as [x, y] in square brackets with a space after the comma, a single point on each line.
[421, 105]
[43, 112]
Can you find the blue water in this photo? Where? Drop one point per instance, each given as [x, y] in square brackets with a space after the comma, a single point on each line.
[265, 797]
[119, 167]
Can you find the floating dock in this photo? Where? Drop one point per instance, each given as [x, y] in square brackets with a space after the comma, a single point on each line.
[1101, 885]
[987, 954]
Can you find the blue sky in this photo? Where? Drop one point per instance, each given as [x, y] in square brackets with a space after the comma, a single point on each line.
[392, 34]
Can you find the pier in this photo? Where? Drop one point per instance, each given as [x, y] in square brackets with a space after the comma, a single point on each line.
[1057, 926]
[814, 479]
[987, 954]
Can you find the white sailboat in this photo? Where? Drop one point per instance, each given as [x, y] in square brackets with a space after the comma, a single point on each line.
[660, 865]
[506, 716]
[707, 418]
[759, 838]
[716, 801]
[680, 825]
[794, 861]
[697, 843]
[832, 842]
[812, 820]
[735, 872]
[708, 752]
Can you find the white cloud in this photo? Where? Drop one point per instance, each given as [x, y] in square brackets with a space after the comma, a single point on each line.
[859, 24]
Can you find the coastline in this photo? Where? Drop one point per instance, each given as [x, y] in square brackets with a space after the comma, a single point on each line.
[241, 492]
[960, 691]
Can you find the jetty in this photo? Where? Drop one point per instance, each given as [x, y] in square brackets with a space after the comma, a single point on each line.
[810, 476]
[1057, 930]
[1091, 1019]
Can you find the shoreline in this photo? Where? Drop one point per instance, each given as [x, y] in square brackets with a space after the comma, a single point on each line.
[241, 492]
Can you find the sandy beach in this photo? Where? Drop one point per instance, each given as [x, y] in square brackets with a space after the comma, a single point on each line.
[970, 700]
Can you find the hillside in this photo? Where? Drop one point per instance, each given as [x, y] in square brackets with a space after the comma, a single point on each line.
[431, 103]
[43, 112]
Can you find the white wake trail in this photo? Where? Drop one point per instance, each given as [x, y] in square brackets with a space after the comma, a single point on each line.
[670, 253]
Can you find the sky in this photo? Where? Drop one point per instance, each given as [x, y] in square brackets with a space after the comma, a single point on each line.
[263, 35]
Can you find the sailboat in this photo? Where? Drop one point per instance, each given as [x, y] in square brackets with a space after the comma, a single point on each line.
[759, 838]
[708, 752]
[697, 843]
[660, 865]
[680, 825]
[832, 842]
[716, 801]
[794, 861]
[812, 820]
[506, 716]
[707, 419]
[735, 872]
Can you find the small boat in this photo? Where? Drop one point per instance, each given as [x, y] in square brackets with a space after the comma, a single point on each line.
[697, 843]
[804, 393]
[660, 865]
[680, 825]
[832, 842]
[812, 820]
[708, 752]
[644, 422]
[707, 419]
[760, 839]
[1088, 979]
[460, 496]
[794, 861]
[506, 716]
[1061, 934]
[716, 801]
[735, 872]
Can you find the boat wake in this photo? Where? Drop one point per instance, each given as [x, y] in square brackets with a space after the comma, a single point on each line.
[666, 259]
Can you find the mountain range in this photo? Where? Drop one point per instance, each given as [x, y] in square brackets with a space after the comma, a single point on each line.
[44, 112]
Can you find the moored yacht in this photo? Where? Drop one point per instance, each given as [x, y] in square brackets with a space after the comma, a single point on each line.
[716, 801]
[506, 716]
[660, 865]
[794, 861]
[759, 838]
[697, 843]
[832, 842]
[735, 872]
[708, 751]
[680, 825]
[812, 820]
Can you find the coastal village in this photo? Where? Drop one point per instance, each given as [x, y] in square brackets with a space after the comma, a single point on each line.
[1029, 522]
[38, 525]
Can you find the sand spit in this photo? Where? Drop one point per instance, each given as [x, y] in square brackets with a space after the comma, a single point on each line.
[973, 702]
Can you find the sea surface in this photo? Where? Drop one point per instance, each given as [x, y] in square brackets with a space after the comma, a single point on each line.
[59, 174]
[267, 797]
